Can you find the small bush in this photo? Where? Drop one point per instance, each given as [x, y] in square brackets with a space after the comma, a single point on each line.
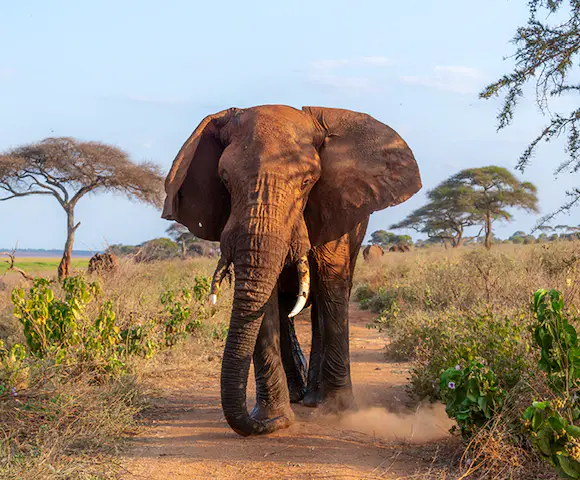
[472, 395]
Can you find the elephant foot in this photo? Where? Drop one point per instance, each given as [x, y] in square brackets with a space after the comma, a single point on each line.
[284, 416]
[296, 391]
[312, 398]
[338, 401]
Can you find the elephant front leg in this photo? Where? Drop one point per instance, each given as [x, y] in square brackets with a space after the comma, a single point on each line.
[335, 377]
[333, 284]
[272, 397]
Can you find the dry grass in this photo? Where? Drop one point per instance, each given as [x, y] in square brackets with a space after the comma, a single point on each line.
[439, 305]
[470, 276]
[63, 424]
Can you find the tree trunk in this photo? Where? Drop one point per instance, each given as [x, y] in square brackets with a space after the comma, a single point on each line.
[458, 239]
[488, 232]
[183, 248]
[64, 267]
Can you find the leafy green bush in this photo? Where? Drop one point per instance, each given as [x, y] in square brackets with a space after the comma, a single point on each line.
[472, 395]
[178, 322]
[552, 423]
[437, 341]
[11, 366]
[62, 328]
[363, 293]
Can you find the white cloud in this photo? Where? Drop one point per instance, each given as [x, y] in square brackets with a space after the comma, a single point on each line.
[329, 64]
[338, 81]
[344, 73]
[455, 79]
[377, 61]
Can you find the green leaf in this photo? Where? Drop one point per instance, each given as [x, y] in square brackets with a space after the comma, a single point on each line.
[557, 423]
[537, 420]
[543, 442]
[569, 467]
[482, 402]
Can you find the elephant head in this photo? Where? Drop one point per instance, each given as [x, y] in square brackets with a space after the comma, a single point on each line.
[269, 182]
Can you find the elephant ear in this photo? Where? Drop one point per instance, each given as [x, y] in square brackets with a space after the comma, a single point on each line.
[366, 166]
[196, 196]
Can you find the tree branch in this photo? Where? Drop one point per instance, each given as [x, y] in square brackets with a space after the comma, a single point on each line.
[11, 259]
[24, 194]
[42, 185]
[82, 191]
[50, 180]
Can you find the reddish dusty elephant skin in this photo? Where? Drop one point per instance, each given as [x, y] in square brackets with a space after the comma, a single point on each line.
[400, 248]
[288, 193]
[372, 253]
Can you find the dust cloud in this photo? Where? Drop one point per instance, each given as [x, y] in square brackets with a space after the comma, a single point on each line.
[427, 423]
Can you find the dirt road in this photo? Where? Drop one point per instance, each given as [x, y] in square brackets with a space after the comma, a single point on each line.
[186, 436]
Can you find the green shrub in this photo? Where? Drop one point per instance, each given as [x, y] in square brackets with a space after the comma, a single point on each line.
[471, 394]
[552, 423]
[62, 328]
[436, 341]
[12, 364]
[363, 293]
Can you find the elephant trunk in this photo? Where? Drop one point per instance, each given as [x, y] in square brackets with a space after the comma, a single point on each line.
[258, 262]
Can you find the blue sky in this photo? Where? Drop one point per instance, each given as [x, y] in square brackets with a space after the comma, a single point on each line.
[142, 74]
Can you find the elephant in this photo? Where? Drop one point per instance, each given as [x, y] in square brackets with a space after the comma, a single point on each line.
[400, 248]
[372, 253]
[288, 193]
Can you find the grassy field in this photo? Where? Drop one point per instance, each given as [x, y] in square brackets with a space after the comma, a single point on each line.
[69, 399]
[39, 265]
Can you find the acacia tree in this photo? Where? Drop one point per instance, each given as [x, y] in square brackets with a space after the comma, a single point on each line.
[547, 56]
[189, 242]
[68, 169]
[446, 216]
[384, 238]
[490, 191]
[180, 234]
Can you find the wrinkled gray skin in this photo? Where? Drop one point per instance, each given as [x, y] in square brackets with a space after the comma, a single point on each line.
[274, 184]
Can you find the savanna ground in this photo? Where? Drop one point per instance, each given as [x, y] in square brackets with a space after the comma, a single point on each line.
[160, 417]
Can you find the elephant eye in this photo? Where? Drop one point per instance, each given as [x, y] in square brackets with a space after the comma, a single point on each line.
[306, 182]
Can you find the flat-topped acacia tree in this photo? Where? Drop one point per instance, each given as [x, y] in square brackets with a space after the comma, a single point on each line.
[67, 169]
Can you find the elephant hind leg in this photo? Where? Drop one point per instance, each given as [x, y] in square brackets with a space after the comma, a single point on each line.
[313, 395]
[292, 356]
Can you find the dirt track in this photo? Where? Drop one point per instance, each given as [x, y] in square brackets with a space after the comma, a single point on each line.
[186, 436]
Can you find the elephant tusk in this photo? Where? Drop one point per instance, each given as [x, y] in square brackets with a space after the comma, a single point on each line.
[303, 286]
[218, 276]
